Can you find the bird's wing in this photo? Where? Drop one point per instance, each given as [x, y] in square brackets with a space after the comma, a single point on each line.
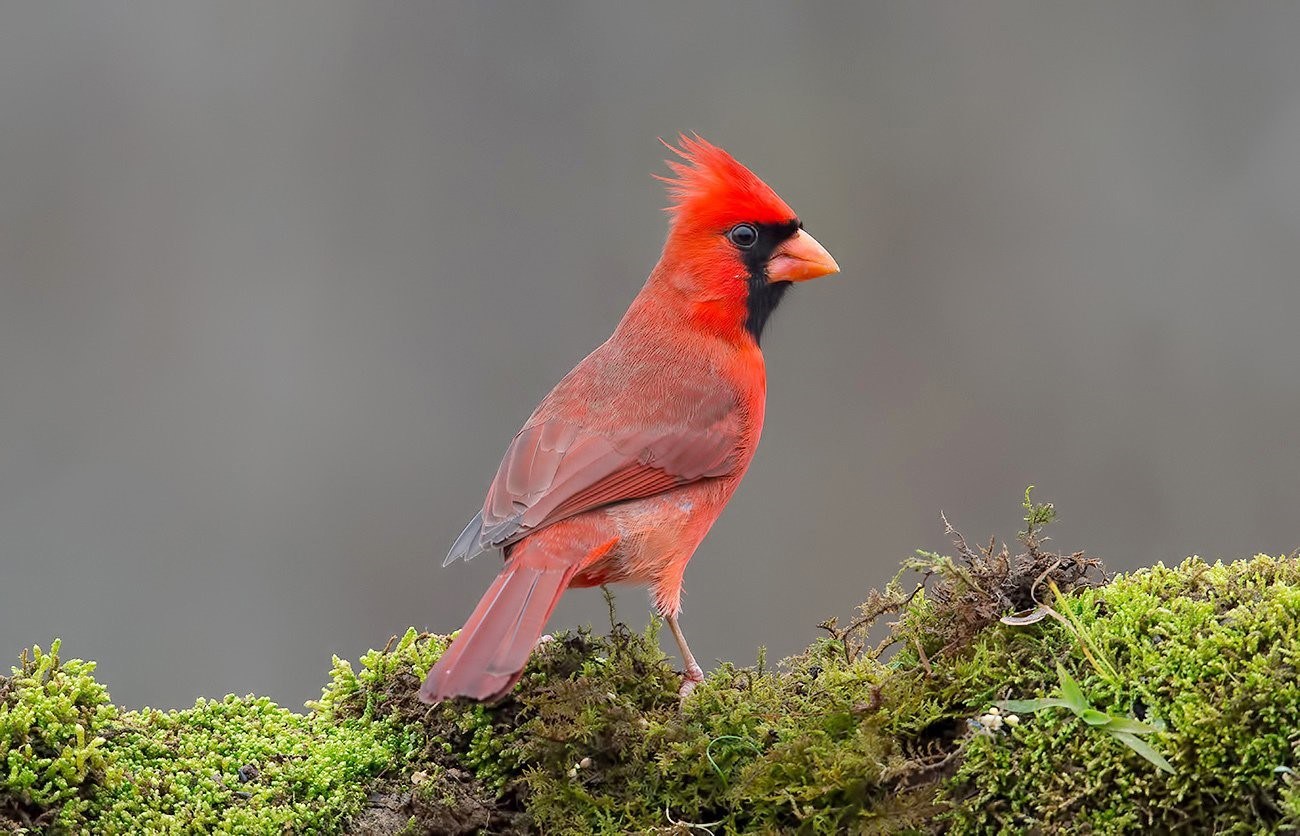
[555, 469]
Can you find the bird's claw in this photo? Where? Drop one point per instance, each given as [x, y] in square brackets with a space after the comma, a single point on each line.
[693, 676]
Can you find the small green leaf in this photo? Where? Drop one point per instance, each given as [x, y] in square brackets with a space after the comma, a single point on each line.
[1128, 725]
[1030, 706]
[1071, 691]
[1146, 750]
[1093, 717]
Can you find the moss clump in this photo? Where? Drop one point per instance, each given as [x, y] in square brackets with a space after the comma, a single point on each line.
[238, 765]
[1209, 652]
[52, 718]
[75, 763]
[897, 738]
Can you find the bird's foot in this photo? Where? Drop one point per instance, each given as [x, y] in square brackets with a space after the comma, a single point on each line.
[693, 676]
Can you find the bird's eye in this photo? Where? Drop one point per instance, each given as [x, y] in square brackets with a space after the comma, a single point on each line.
[743, 236]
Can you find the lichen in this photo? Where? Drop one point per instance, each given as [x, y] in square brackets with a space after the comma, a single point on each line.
[899, 728]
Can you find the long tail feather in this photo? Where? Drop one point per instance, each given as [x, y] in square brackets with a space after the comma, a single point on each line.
[488, 657]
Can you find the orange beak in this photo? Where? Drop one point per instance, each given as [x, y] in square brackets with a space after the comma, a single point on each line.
[800, 258]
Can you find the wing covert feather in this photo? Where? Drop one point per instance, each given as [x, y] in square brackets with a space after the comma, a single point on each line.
[555, 468]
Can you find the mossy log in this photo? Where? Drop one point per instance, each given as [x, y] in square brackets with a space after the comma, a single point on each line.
[1166, 700]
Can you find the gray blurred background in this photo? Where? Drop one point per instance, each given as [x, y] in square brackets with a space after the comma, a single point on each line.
[279, 281]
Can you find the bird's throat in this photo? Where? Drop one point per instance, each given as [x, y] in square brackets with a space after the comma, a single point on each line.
[763, 297]
[762, 294]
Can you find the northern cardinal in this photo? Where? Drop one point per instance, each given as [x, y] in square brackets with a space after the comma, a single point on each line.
[625, 465]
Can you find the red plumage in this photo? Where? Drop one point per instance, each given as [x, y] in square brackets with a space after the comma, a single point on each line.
[711, 189]
[623, 468]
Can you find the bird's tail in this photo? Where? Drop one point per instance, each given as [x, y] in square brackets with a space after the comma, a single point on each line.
[488, 657]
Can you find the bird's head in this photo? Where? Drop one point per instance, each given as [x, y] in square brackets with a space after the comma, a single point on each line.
[734, 247]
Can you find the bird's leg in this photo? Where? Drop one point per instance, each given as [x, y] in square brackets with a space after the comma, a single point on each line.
[694, 676]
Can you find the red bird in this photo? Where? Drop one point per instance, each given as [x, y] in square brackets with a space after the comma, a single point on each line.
[625, 465]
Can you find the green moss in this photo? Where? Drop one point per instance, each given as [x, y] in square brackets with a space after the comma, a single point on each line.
[52, 718]
[239, 765]
[841, 738]
[1208, 651]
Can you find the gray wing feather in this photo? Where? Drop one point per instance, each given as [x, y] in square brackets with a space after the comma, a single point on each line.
[469, 543]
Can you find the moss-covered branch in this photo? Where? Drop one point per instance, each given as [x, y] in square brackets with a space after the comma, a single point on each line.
[1197, 664]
